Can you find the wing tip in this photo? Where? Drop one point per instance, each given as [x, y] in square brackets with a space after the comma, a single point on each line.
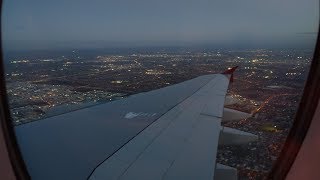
[230, 70]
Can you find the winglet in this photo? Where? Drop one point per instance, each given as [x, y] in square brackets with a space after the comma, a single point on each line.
[230, 71]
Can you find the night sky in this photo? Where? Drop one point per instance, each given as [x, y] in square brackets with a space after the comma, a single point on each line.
[48, 24]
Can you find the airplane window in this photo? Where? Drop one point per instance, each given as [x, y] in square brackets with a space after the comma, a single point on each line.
[78, 61]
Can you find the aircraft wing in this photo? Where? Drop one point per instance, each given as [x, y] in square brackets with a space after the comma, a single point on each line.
[169, 133]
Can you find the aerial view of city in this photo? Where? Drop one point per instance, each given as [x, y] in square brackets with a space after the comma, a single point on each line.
[268, 84]
[63, 59]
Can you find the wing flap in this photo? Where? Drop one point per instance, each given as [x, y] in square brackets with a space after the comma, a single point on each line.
[198, 159]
